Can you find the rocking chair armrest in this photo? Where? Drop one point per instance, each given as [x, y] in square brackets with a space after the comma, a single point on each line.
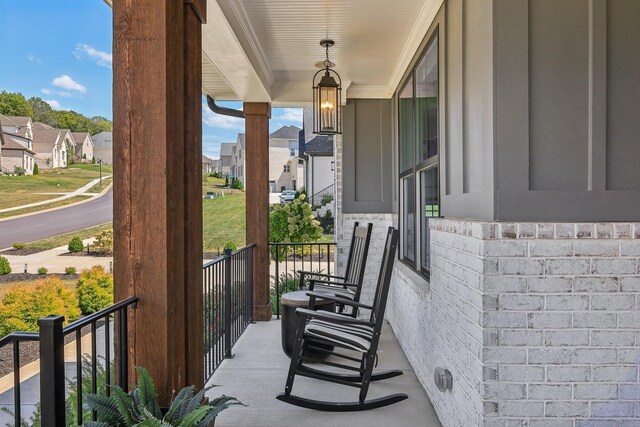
[313, 273]
[332, 283]
[331, 317]
[339, 300]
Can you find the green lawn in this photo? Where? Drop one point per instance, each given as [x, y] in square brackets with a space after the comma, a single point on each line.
[21, 190]
[64, 202]
[224, 221]
[106, 169]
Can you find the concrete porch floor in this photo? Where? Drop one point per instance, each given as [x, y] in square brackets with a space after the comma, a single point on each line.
[257, 373]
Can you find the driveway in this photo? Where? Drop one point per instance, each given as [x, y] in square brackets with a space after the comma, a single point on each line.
[65, 220]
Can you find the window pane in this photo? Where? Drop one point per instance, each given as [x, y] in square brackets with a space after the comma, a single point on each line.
[409, 223]
[430, 200]
[405, 125]
[427, 103]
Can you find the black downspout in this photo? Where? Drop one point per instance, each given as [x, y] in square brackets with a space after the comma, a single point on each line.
[224, 110]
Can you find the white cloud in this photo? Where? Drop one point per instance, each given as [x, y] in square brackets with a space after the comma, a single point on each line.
[101, 57]
[211, 146]
[66, 82]
[221, 122]
[62, 93]
[33, 58]
[291, 115]
[54, 104]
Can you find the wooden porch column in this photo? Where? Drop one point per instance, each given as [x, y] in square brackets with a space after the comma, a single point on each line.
[257, 115]
[158, 185]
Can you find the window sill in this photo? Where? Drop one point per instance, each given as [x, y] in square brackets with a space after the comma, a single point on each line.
[416, 281]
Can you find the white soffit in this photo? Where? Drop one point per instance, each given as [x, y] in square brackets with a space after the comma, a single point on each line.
[279, 40]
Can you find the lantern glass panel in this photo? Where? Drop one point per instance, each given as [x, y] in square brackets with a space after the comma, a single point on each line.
[328, 100]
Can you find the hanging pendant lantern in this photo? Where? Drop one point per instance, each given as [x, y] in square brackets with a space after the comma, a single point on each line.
[327, 97]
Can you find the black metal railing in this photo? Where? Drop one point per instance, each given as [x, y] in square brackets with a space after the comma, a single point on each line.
[323, 197]
[288, 258]
[228, 304]
[51, 338]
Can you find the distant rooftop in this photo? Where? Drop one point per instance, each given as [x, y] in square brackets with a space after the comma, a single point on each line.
[286, 132]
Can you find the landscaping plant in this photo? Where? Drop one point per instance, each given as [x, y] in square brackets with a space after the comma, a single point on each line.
[5, 268]
[94, 289]
[141, 408]
[18, 246]
[70, 270]
[292, 222]
[22, 306]
[43, 270]
[104, 242]
[76, 245]
[36, 169]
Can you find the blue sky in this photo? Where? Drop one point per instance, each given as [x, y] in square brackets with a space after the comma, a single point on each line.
[61, 50]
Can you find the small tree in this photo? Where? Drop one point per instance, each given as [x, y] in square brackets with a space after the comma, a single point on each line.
[226, 181]
[76, 245]
[293, 223]
[95, 290]
[5, 268]
[36, 169]
[104, 242]
[93, 160]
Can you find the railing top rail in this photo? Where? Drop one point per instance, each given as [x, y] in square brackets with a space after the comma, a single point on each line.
[35, 336]
[19, 337]
[79, 324]
[324, 189]
[302, 244]
[223, 256]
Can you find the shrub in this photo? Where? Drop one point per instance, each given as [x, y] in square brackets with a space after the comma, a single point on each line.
[70, 270]
[104, 242]
[36, 169]
[95, 290]
[76, 245]
[5, 268]
[226, 181]
[17, 246]
[294, 223]
[43, 270]
[17, 170]
[22, 306]
[93, 160]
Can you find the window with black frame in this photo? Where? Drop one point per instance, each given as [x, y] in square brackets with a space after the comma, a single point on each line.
[418, 116]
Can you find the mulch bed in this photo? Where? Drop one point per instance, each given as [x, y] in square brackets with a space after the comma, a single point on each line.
[84, 253]
[24, 277]
[22, 252]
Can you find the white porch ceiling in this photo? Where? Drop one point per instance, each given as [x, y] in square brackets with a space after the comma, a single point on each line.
[265, 50]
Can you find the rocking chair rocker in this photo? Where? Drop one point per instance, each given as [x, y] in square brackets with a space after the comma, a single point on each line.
[348, 336]
[347, 286]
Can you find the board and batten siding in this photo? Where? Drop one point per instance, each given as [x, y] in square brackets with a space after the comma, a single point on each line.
[567, 77]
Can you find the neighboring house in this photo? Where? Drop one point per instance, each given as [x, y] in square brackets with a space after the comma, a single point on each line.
[319, 164]
[240, 159]
[84, 146]
[215, 165]
[51, 146]
[226, 158]
[17, 125]
[16, 155]
[284, 171]
[103, 147]
[207, 165]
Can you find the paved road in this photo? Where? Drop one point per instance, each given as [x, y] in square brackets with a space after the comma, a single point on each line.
[65, 220]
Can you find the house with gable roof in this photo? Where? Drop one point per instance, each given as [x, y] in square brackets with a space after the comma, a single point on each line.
[103, 147]
[52, 146]
[83, 147]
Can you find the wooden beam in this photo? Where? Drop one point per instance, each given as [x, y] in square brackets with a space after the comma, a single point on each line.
[257, 115]
[157, 187]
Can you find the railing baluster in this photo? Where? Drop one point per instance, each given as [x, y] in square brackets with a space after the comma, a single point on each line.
[107, 356]
[79, 411]
[16, 383]
[94, 367]
[123, 346]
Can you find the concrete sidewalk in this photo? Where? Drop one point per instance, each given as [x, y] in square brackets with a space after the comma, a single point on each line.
[54, 262]
[82, 191]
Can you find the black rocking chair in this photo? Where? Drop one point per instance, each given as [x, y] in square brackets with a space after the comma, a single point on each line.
[354, 340]
[348, 286]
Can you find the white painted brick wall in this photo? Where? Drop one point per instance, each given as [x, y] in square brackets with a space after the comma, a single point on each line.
[538, 323]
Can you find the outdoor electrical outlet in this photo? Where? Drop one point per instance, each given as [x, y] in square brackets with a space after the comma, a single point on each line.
[443, 379]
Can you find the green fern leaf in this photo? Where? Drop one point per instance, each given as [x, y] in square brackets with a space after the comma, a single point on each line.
[195, 417]
[105, 407]
[147, 391]
[180, 401]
